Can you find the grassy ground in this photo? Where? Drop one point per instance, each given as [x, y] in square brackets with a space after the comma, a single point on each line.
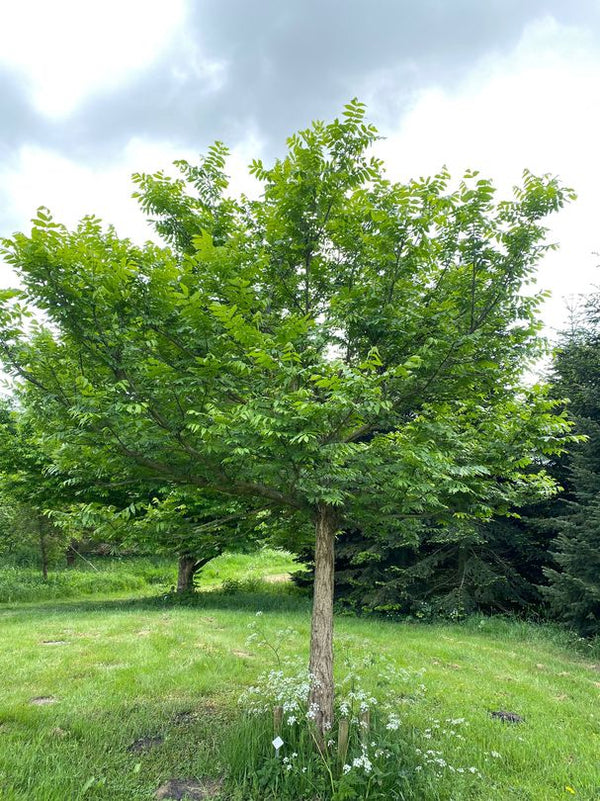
[109, 673]
[102, 576]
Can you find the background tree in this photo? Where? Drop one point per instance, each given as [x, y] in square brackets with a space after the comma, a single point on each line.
[486, 566]
[192, 525]
[345, 348]
[28, 494]
[574, 580]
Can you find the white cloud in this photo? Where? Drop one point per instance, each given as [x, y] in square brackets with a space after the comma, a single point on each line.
[40, 177]
[68, 49]
[537, 108]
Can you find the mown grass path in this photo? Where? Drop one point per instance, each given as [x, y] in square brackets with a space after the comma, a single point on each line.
[113, 672]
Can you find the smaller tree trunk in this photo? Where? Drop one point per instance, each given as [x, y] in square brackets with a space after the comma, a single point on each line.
[321, 695]
[187, 568]
[71, 553]
[44, 553]
[186, 571]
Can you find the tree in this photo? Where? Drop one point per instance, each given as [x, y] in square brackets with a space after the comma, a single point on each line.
[574, 580]
[487, 566]
[28, 493]
[346, 350]
[193, 525]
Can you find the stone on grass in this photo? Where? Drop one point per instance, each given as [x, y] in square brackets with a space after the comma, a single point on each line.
[189, 789]
[42, 700]
[507, 717]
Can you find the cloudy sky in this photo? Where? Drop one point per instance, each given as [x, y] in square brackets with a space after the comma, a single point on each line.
[91, 92]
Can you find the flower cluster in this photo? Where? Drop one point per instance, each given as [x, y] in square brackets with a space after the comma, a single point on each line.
[435, 758]
[277, 688]
[372, 739]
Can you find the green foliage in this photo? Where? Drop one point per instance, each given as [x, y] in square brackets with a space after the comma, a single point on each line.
[574, 590]
[449, 572]
[29, 493]
[344, 350]
[343, 340]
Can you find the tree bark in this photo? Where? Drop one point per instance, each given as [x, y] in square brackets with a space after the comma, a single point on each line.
[321, 695]
[71, 553]
[43, 552]
[186, 570]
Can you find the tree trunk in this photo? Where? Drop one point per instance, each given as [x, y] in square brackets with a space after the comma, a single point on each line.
[320, 699]
[43, 552]
[186, 570]
[71, 553]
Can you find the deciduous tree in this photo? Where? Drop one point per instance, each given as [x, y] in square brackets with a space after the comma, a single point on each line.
[345, 349]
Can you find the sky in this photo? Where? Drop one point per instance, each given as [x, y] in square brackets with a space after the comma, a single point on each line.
[92, 92]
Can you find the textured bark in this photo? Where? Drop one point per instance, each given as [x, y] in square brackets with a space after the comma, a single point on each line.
[186, 571]
[187, 568]
[321, 635]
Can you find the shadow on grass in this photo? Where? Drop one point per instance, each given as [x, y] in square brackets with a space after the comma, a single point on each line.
[265, 601]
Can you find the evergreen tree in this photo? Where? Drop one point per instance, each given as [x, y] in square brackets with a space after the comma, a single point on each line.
[493, 566]
[574, 590]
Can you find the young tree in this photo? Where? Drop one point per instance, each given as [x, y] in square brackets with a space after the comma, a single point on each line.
[345, 349]
[28, 493]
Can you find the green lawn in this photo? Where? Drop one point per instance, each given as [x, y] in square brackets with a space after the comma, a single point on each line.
[114, 671]
[102, 576]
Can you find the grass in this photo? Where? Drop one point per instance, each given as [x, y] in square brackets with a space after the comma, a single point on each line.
[102, 576]
[119, 670]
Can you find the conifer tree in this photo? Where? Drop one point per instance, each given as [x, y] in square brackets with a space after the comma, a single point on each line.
[574, 590]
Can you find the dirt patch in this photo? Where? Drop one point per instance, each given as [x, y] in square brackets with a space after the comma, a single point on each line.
[145, 744]
[192, 789]
[54, 642]
[185, 718]
[42, 700]
[277, 578]
[188, 717]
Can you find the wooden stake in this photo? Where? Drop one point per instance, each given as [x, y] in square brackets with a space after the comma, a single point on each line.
[365, 725]
[343, 736]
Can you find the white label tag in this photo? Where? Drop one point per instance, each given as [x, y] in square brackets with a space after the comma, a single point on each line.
[277, 743]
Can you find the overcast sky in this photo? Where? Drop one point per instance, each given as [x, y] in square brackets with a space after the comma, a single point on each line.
[91, 92]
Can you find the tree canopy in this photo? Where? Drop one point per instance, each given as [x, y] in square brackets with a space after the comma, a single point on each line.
[346, 350]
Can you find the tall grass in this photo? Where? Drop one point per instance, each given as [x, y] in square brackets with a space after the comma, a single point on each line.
[137, 575]
[21, 585]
